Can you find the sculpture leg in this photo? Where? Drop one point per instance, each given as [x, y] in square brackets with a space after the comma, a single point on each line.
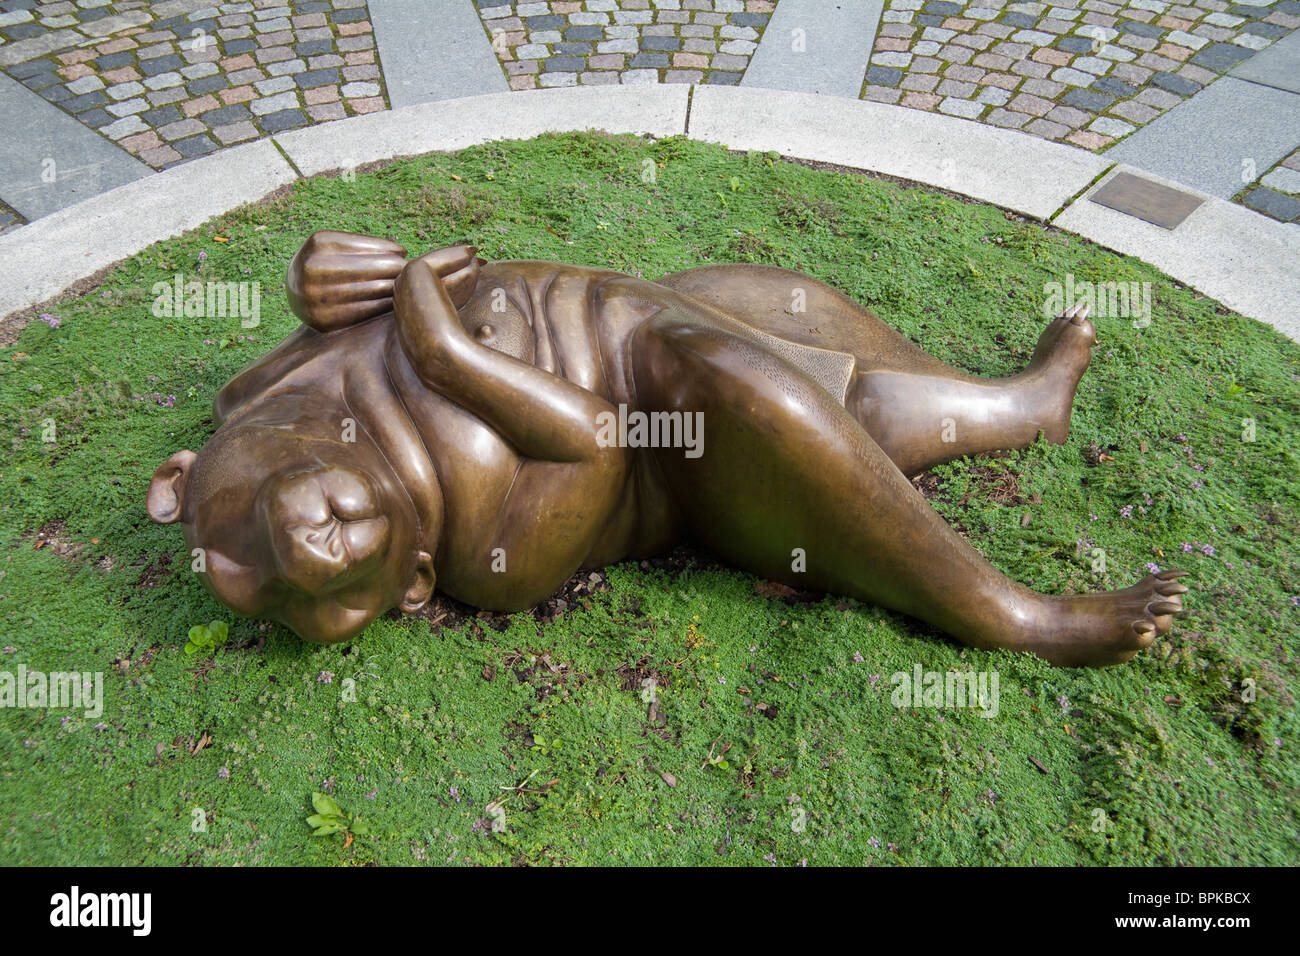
[786, 470]
[921, 419]
[919, 410]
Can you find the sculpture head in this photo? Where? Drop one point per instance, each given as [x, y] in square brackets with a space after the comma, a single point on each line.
[315, 533]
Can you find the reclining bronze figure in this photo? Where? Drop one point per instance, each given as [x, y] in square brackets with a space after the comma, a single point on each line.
[451, 421]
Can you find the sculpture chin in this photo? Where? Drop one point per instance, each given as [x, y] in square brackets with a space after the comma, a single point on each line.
[238, 586]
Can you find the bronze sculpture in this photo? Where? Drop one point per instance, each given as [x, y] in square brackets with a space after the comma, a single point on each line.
[452, 421]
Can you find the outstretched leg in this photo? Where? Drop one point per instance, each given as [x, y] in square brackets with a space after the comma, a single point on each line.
[920, 411]
[785, 467]
[921, 419]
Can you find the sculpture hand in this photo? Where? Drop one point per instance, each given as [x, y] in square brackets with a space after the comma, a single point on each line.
[338, 279]
[458, 268]
[425, 304]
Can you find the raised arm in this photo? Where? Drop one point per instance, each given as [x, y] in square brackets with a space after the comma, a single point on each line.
[542, 415]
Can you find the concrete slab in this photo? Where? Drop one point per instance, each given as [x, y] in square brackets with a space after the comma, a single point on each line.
[1229, 130]
[45, 257]
[39, 142]
[816, 46]
[1009, 169]
[433, 51]
[1277, 66]
[1245, 260]
[659, 110]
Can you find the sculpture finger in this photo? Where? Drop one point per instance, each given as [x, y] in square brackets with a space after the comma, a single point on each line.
[449, 259]
[329, 240]
[460, 285]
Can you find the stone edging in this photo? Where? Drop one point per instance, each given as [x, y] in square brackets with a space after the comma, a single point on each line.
[1241, 258]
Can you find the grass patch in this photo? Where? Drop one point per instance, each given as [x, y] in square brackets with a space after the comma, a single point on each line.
[771, 738]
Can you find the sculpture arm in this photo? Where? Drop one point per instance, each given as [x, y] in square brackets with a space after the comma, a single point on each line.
[541, 415]
[338, 279]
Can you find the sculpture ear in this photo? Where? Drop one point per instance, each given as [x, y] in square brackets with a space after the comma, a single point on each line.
[420, 589]
[167, 489]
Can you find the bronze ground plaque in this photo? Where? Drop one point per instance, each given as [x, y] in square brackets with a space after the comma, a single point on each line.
[1148, 201]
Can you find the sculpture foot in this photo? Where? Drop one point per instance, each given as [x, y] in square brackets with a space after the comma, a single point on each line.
[1094, 630]
[1062, 356]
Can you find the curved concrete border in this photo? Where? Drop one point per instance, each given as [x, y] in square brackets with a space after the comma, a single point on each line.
[1227, 252]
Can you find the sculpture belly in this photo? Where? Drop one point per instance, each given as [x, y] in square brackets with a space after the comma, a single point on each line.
[541, 315]
[553, 318]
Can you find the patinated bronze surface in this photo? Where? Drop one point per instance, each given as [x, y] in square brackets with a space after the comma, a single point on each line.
[491, 428]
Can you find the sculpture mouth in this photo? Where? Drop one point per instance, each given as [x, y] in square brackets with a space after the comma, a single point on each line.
[324, 558]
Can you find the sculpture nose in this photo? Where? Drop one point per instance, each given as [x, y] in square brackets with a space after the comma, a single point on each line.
[316, 555]
[326, 543]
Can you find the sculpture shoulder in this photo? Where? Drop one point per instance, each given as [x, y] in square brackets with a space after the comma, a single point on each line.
[305, 356]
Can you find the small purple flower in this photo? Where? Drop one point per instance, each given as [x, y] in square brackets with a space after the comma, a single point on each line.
[770, 859]
[1126, 511]
[858, 658]
[418, 853]
[893, 848]
[721, 679]
[1091, 516]
[873, 679]
[454, 792]
[52, 321]
[1063, 702]
[1197, 484]
[1207, 549]
[874, 843]
[1153, 567]
[101, 727]
[1187, 548]
[64, 720]
[372, 794]
[224, 773]
[325, 677]
[327, 785]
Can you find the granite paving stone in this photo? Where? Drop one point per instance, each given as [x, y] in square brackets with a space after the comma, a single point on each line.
[1098, 63]
[127, 73]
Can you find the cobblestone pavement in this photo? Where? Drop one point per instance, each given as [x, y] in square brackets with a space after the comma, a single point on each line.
[176, 79]
[173, 80]
[1084, 71]
[1277, 193]
[624, 41]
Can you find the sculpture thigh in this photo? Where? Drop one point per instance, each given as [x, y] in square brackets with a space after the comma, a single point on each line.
[791, 487]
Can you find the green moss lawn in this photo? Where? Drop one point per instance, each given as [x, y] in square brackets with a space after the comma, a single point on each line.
[772, 739]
